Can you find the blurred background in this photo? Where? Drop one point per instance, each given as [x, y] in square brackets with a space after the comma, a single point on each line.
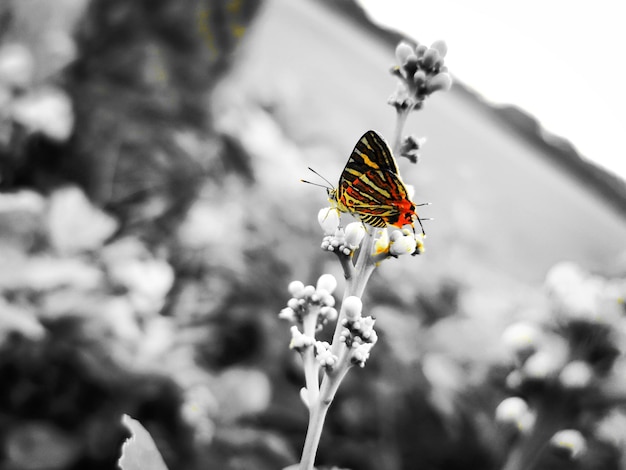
[151, 217]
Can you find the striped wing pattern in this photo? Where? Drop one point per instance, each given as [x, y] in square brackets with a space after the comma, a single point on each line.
[370, 185]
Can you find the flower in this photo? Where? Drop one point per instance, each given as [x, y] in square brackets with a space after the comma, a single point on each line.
[354, 232]
[324, 355]
[576, 375]
[542, 365]
[570, 440]
[328, 219]
[402, 242]
[515, 411]
[299, 341]
[296, 288]
[521, 339]
[16, 65]
[48, 111]
[327, 282]
[352, 307]
[421, 71]
[360, 353]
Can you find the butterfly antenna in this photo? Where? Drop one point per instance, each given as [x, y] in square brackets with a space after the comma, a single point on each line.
[315, 184]
[331, 185]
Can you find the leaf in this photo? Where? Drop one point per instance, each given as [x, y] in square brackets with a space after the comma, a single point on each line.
[139, 452]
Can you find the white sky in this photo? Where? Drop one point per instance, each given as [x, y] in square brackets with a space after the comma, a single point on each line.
[562, 61]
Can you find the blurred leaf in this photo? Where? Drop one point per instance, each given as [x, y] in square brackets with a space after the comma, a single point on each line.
[44, 273]
[139, 452]
[241, 392]
[147, 279]
[40, 446]
[17, 319]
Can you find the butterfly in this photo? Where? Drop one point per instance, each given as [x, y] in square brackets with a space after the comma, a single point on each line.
[370, 186]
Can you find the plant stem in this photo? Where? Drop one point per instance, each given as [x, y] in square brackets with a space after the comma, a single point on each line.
[355, 285]
[318, 411]
[401, 117]
[311, 369]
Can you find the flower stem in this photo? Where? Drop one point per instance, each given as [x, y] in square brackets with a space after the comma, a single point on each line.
[355, 286]
[311, 369]
[318, 411]
[401, 117]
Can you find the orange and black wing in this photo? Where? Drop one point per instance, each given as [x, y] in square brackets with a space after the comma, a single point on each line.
[378, 197]
[370, 153]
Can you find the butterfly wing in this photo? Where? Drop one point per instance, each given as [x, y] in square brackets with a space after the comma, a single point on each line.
[370, 185]
[371, 152]
[378, 197]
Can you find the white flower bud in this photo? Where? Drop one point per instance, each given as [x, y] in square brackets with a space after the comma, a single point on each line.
[355, 232]
[308, 291]
[403, 51]
[326, 299]
[299, 341]
[404, 245]
[48, 111]
[514, 380]
[570, 440]
[327, 282]
[441, 47]
[515, 412]
[521, 338]
[361, 353]
[541, 365]
[430, 57]
[324, 355]
[511, 410]
[576, 375]
[440, 82]
[329, 312]
[287, 314]
[419, 77]
[328, 219]
[352, 307]
[296, 288]
[16, 65]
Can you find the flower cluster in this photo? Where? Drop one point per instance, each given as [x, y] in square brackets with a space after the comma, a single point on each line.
[421, 71]
[309, 301]
[387, 242]
[310, 308]
[358, 332]
[568, 369]
[336, 238]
